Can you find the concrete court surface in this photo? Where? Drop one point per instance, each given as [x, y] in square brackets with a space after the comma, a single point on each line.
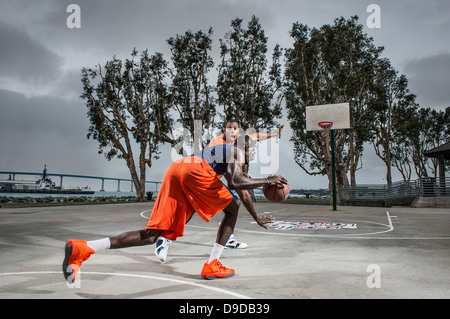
[397, 252]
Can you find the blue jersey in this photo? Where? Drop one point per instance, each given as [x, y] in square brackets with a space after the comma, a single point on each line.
[217, 157]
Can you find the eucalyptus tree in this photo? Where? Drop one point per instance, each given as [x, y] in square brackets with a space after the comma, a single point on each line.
[391, 100]
[246, 86]
[191, 95]
[332, 64]
[128, 108]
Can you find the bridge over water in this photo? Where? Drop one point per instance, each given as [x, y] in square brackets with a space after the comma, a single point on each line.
[12, 177]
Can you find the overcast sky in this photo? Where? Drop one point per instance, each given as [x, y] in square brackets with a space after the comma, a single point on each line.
[43, 120]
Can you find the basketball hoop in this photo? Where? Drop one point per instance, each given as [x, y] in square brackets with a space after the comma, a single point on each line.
[325, 125]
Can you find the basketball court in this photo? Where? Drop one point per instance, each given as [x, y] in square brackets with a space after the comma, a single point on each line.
[309, 252]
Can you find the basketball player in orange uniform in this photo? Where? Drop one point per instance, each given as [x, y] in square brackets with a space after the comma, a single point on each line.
[190, 184]
[231, 133]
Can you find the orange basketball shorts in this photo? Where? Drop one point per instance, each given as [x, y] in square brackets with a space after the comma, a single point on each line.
[189, 185]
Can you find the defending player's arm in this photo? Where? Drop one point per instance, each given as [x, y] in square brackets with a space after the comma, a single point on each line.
[261, 136]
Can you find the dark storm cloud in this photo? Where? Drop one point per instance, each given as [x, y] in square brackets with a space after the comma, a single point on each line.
[49, 130]
[116, 26]
[39, 130]
[41, 113]
[41, 59]
[24, 58]
[429, 79]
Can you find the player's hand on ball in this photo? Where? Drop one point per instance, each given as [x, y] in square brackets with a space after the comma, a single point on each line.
[278, 180]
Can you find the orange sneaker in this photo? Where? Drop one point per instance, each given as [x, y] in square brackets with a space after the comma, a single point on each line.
[76, 252]
[215, 270]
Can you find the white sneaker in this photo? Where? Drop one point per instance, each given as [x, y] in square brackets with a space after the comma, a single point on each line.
[234, 244]
[162, 247]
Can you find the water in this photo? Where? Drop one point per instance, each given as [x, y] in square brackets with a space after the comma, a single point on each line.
[258, 193]
[96, 194]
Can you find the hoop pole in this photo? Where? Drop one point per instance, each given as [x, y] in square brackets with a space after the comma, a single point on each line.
[333, 168]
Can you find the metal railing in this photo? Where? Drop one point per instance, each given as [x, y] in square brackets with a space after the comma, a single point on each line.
[425, 186]
[435, 186]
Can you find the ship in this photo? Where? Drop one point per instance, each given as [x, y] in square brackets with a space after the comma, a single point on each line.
[43, 185]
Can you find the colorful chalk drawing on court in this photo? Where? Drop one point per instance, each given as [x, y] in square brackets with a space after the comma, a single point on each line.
[284, 225]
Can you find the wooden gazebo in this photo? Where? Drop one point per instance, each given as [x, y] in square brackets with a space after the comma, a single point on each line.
[442, 153]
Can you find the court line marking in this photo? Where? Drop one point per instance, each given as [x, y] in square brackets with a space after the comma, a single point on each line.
[390, 221]
[351, 236]
[390, 227]
[219, 290]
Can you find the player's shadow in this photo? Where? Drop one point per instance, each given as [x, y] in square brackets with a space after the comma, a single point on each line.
[166, 290]
[153, 264]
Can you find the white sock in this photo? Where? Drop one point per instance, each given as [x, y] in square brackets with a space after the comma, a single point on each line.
[101, 244]
[216, 252]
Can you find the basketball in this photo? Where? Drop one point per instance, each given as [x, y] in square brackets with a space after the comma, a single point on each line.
[276, 194]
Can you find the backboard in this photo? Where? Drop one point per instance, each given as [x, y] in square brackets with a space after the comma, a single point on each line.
[339, 114]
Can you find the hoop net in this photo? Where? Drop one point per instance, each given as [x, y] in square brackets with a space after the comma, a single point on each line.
[325, 125]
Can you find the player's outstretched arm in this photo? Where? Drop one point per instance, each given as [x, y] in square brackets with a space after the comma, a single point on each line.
[248, 203]
[261, 136]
